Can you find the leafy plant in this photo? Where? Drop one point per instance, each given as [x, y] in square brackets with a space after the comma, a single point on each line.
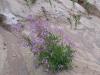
[76, 19]
[55, 56]
[70, 21]
[30, 2]
[74, 2]
[51, 53]
[50, 2]
[87, 7]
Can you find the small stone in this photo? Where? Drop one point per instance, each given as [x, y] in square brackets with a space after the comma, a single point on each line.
[5, 44]
[4, 48]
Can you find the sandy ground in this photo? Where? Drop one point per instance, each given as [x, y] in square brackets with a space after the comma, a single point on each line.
[18, 60]
[12, 60]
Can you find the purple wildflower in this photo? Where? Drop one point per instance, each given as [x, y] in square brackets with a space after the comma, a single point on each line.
[38, 29]
[30, 18]
[38, 44]
[16, 27]
[67, 40]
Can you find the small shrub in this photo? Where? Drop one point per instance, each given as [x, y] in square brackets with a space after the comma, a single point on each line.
[50, 52]
[30, 2]
[70, 21]
[74, 2]
[76, 19]
[50, 2]
[87, 6]
[55, 57]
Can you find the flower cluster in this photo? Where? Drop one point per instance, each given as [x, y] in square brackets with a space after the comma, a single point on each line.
[51, 53]
[16, 27]
[56, 57]
[38, 29]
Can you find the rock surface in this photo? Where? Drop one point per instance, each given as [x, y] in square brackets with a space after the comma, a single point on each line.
[17, 60]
